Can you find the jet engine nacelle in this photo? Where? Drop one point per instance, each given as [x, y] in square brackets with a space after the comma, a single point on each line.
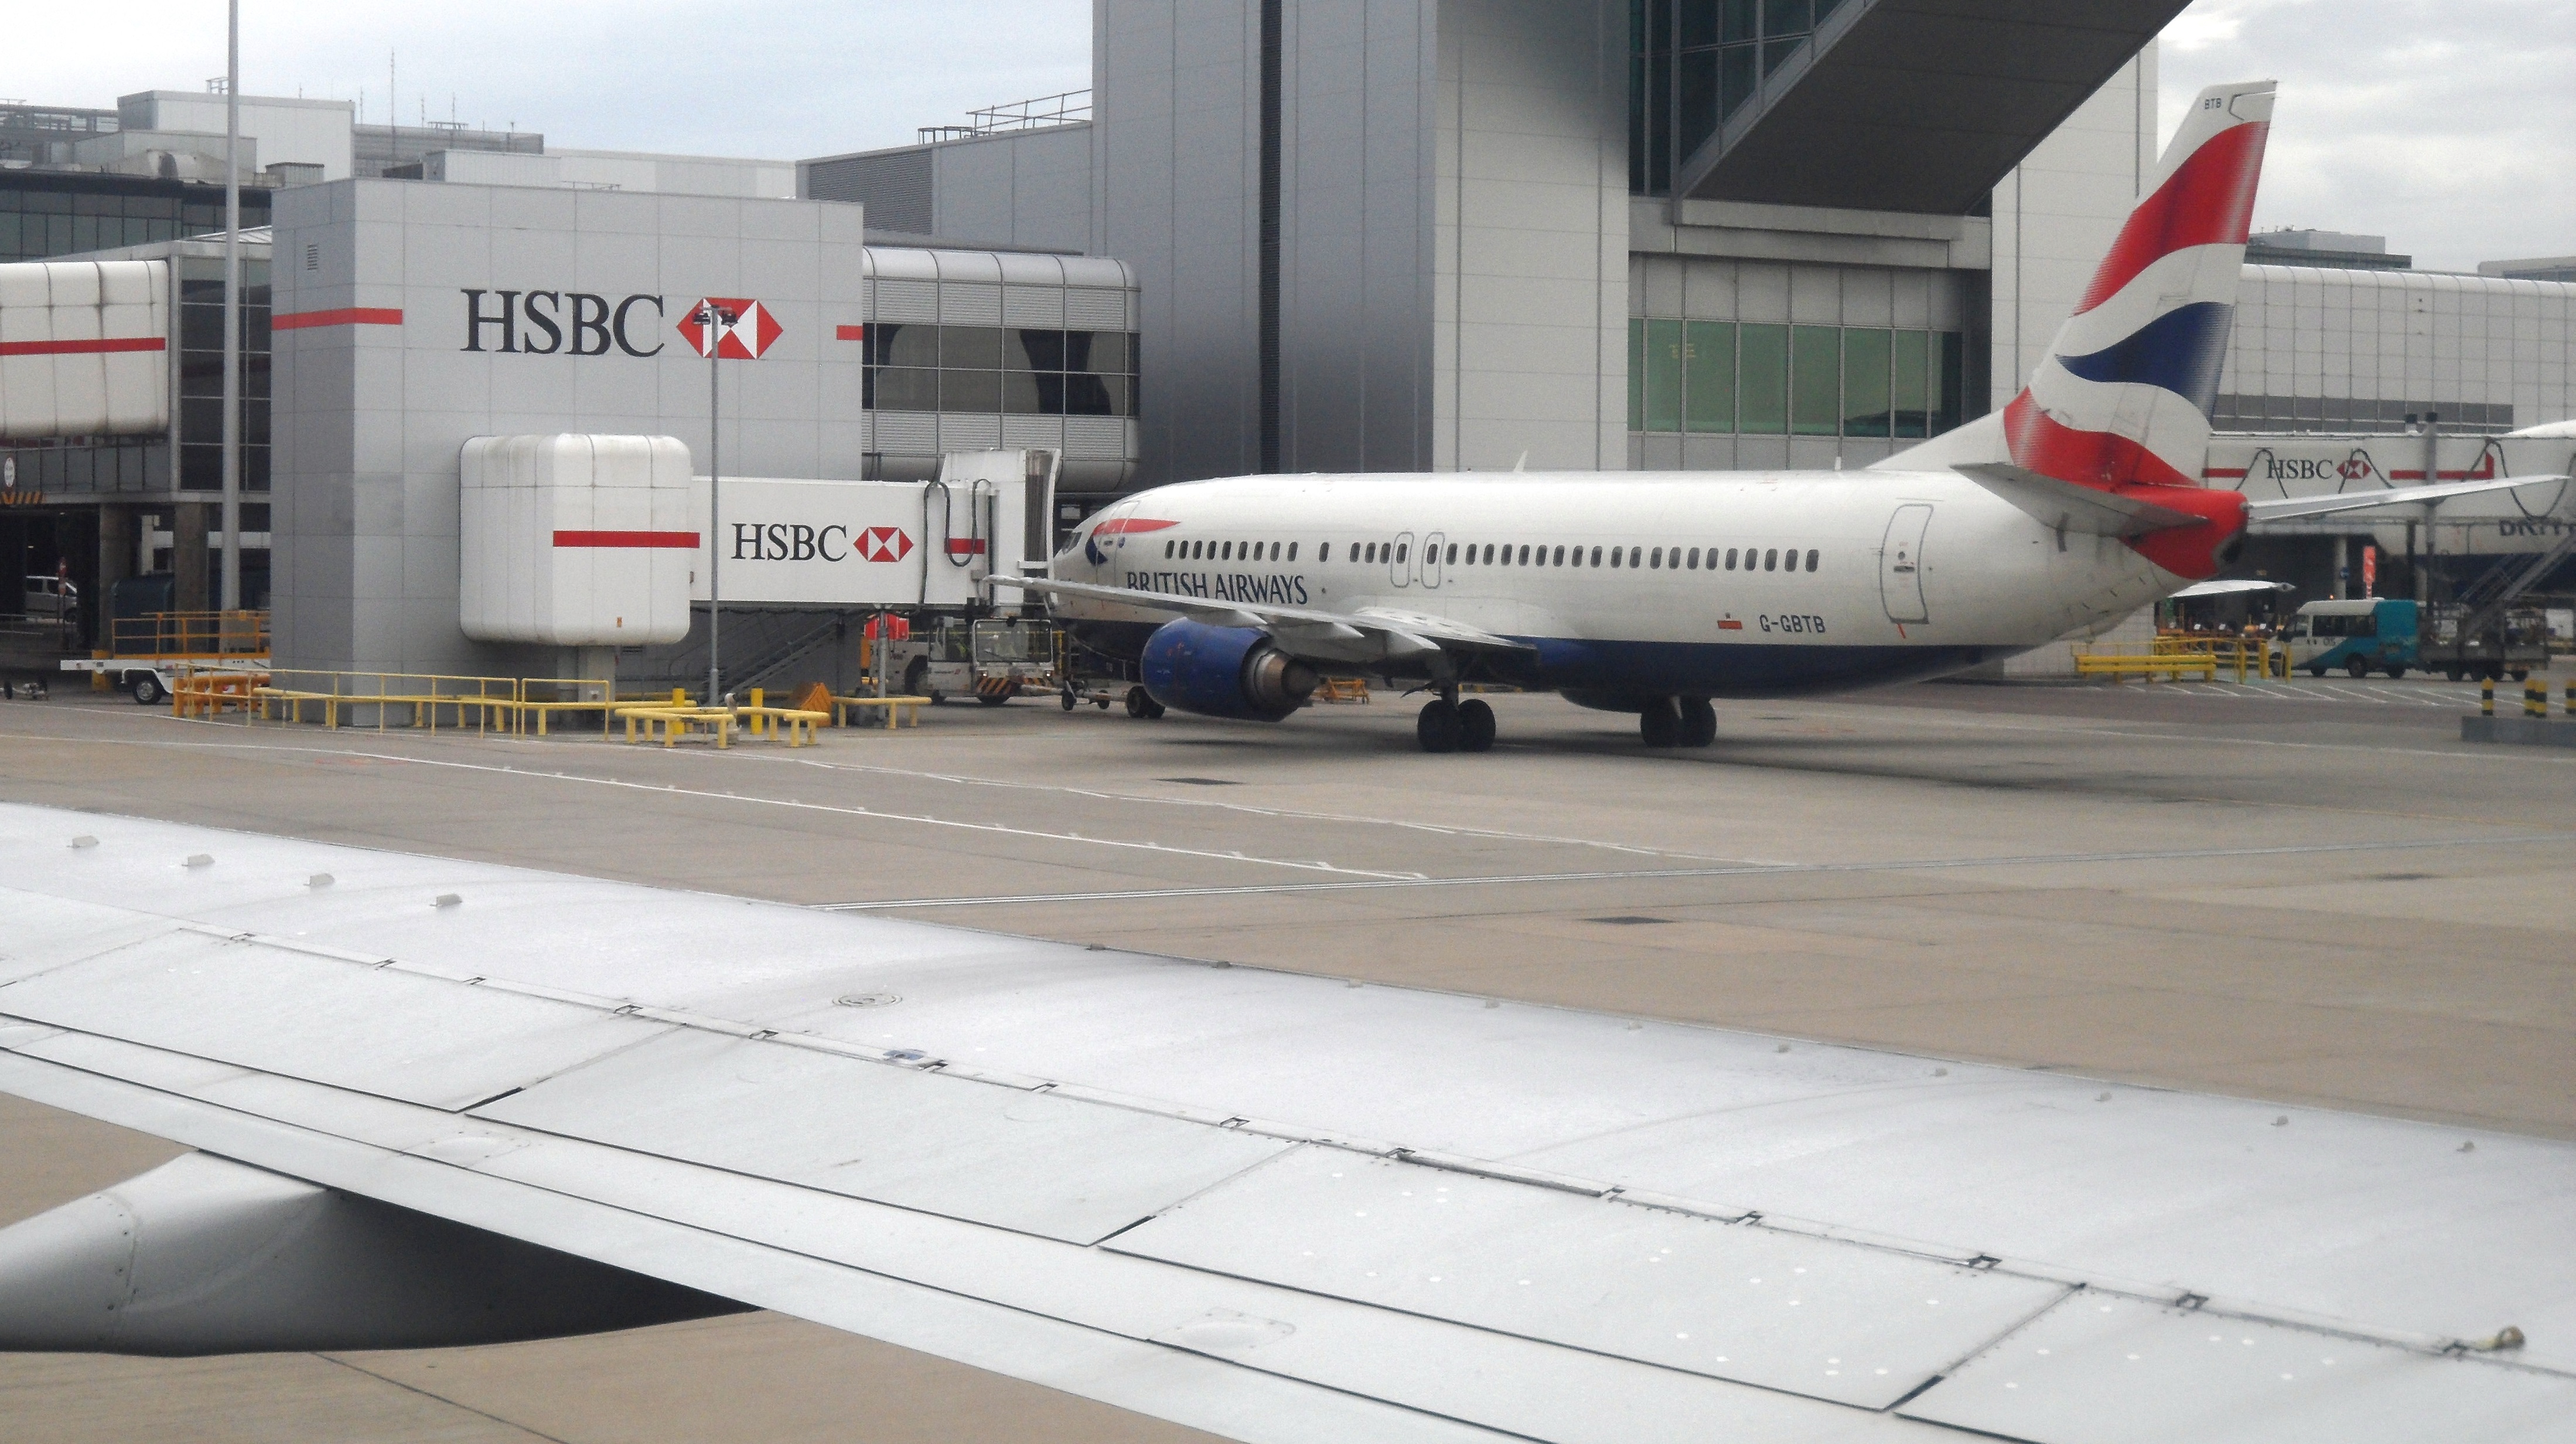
[1224, 672]
[207, 1256]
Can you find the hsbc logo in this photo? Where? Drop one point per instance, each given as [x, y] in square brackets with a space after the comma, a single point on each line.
[731, 328]
[882, 544]
[2354, 468]
[545, 323]
[798, 542]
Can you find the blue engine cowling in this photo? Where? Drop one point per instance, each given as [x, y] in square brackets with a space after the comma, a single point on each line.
[1224, 672]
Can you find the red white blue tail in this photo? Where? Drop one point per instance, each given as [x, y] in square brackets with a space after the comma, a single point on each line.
[2125, 393]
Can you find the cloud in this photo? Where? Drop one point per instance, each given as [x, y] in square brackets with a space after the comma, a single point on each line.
[2448, 128]
[762, 78]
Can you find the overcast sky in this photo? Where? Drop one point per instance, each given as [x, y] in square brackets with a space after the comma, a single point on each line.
[2447, 125]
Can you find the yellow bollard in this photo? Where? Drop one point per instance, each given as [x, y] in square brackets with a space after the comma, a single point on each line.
[759, 723]
[2535, 698]
[2486, 697]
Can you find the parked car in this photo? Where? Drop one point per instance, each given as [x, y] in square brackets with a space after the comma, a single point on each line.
[51, 598]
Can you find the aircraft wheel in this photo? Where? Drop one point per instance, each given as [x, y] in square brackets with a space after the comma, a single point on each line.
[1699, 722]
[147, 689]
[1660, 725]
[1475, 726]
[1438, 728]
[2356, 668]
[1139, 705]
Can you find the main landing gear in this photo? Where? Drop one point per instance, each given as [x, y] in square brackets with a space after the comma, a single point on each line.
[1678, 722]
[1141, 705]
[1449, 725]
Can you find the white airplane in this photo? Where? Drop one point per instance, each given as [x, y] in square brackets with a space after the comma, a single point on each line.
[1654, 592]
[442, 1103]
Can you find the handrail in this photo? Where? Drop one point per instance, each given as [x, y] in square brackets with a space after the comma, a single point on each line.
[240, 633]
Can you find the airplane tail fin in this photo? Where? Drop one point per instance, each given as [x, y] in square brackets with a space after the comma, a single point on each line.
[2124, 394]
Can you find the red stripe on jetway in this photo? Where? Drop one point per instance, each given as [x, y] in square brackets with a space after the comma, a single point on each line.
[849, 333]
[83, 348]
[964, 547]
[345, 316]
[651, 539]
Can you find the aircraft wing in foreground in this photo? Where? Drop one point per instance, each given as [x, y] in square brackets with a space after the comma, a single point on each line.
[441, 1102]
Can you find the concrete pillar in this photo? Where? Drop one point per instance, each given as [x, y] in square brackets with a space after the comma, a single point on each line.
[188, 557]
[2342, 565]
[116, 547]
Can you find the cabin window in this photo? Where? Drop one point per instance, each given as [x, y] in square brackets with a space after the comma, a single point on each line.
[1655, 559]
[1453, 552]
[1167, 549]
[1614, 556]
[1730, 559]
[1524, 561]
[1372, 553]
[1792, 560]
[1401, 549]
[1489, 553]
[1560, 557]
[1292, 551]
[1632, 555]
[1811, 560]
[1771, 561]
[1694, 559]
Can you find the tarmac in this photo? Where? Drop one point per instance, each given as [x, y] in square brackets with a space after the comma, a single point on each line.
[2306, 891]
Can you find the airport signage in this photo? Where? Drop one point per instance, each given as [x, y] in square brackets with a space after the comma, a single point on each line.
[569, 323]
[742, 328]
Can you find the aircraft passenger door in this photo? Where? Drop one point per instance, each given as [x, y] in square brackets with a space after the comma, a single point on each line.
[1900, 565]
[1431, 559]
[1399, 560]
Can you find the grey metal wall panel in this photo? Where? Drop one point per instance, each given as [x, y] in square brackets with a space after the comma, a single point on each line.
[382, 403]
[894, 186]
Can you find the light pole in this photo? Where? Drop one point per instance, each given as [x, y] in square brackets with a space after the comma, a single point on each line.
[228, 579]
[713, 322]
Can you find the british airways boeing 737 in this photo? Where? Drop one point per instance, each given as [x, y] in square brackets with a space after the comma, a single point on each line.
[1655, 592]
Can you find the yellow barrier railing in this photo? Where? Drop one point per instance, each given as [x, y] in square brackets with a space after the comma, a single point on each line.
[2153, 666]
[160, 635]
[418, 696]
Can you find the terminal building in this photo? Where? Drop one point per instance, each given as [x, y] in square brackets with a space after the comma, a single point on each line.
[1388, 235]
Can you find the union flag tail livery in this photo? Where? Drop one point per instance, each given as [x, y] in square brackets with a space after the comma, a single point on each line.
[2124, 396]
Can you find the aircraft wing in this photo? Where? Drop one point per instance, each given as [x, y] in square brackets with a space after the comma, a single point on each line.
[1369, 634]
[2228, 589]
[2294, 508]
[1276, 1206]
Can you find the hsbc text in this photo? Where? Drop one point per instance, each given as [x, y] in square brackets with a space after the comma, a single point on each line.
[541, 323]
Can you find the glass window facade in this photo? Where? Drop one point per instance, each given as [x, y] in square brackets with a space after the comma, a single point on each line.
[1694, 63]
[1765, 380]
[1000, 369]
[201, 374]
[45, 215]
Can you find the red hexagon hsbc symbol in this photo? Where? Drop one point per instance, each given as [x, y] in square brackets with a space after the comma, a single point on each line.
[881, 544]
[741, 339]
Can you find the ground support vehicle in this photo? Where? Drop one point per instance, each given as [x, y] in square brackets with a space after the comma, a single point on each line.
[2378, 634]
[992, 659]
[2461, 642]
[146, 655]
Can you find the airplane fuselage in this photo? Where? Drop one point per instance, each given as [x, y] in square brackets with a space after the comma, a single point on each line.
[1632, 585]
